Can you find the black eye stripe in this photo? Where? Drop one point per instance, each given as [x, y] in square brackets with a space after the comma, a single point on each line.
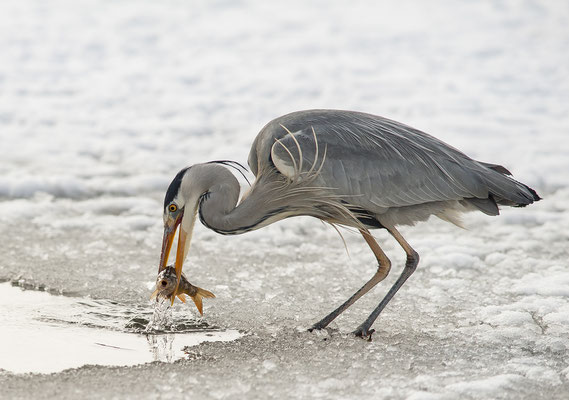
[174, 187]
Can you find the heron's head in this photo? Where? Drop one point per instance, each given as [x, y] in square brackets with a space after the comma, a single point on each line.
[180, 207]
[187, 191]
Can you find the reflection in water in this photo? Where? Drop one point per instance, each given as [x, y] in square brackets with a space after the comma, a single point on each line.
[162, 347]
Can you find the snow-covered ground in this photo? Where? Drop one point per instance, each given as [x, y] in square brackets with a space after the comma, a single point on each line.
[102, 102]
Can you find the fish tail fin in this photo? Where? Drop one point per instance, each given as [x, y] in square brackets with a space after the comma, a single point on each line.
[197, 298]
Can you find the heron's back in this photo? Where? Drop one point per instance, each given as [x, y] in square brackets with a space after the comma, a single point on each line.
[393, 171]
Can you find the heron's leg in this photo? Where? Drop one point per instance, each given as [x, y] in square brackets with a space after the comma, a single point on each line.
[410, 266]
[382, 271]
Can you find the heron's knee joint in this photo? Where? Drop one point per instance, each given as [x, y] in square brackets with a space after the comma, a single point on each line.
[383, 269]
[412, 261]
[384, 264]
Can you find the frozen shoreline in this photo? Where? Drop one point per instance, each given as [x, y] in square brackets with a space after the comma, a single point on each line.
[265, 365]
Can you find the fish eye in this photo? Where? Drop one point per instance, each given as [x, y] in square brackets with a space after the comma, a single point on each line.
[164, 283]
[172, 208]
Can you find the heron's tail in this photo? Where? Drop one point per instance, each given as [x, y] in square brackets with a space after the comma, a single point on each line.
[503, 190]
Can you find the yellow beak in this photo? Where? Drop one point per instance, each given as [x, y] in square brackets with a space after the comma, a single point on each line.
[167, 241]
[182, 250]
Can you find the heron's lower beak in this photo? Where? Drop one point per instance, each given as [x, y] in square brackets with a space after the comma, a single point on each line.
[180, 257]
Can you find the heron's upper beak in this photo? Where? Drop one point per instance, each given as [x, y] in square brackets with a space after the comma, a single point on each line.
[169, 233]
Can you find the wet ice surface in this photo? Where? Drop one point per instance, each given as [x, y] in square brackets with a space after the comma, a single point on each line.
[103, 102]
[42, 333]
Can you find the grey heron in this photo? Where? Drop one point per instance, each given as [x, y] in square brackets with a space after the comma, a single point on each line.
[346, 168]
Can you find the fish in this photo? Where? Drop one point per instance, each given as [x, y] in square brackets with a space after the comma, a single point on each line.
[166, 284]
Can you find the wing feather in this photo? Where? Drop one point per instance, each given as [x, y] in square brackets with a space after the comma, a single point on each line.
[377, 163]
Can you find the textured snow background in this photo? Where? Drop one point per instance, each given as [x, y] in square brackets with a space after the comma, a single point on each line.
[102, 102]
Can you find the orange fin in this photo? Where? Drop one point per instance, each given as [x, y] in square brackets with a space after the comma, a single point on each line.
[205, 293]
[182, 297]
[198, 298]
[198, 302]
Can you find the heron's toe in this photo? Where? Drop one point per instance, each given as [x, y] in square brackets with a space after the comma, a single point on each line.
[316, 327]
[364, 333]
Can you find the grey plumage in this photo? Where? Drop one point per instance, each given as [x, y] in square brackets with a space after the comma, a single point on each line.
[387, 168]
[346, 168]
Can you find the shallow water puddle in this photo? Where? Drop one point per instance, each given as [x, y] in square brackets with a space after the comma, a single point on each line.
[43, 333]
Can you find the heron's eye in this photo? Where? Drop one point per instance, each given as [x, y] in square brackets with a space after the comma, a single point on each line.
[172, 208]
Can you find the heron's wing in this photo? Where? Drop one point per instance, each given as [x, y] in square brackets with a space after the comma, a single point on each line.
[377, 163]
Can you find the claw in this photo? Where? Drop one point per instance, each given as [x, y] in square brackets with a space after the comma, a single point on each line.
[364, 333]
[316, 327]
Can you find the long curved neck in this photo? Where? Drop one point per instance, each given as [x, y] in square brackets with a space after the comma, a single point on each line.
[218, 209]
[270, 199]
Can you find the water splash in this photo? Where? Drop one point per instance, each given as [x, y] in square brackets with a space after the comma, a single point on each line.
[162, 318]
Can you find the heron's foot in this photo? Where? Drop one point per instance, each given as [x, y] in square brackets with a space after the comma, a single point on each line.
[316, 327]
[364, 332]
